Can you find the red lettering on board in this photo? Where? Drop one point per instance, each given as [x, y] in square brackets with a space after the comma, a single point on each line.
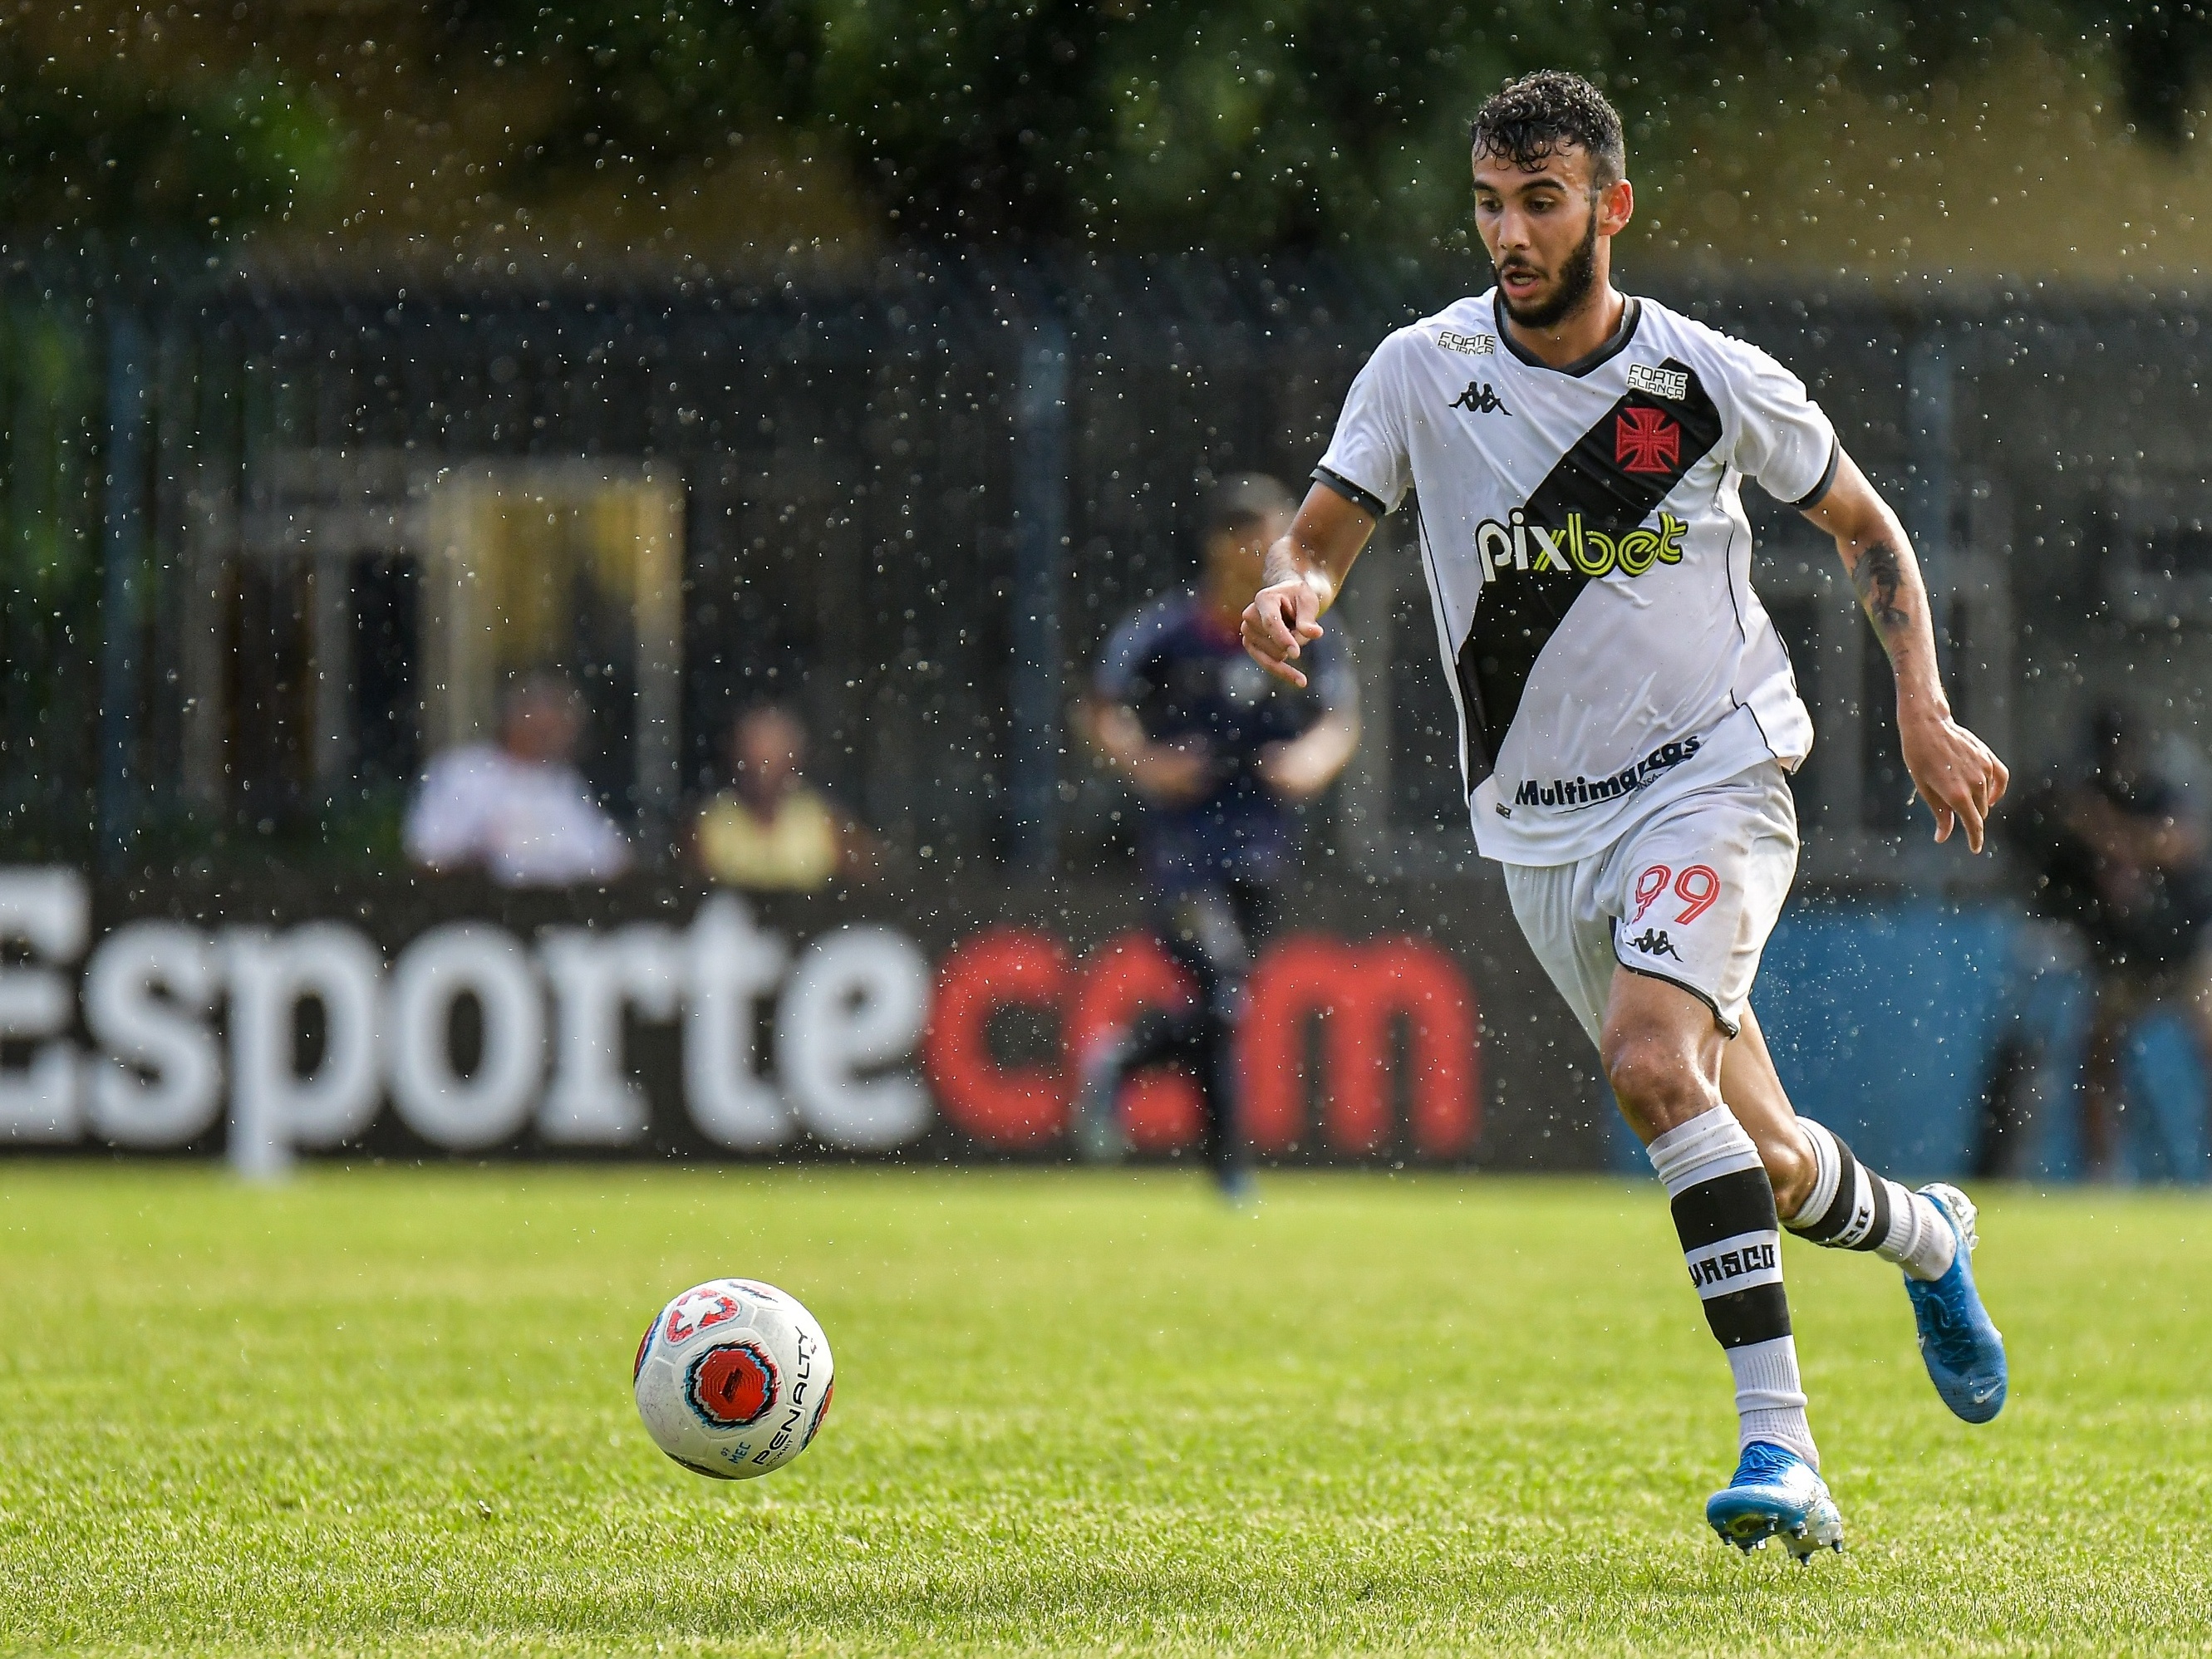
[1359, 992]
[999, 1105]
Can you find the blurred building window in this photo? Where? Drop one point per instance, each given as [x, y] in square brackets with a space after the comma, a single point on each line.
[387, 597]
[566, 565]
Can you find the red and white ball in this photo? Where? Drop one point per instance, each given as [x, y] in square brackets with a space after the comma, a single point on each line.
[733, 1378]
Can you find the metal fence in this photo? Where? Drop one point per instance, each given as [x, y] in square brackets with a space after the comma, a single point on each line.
[914, 501]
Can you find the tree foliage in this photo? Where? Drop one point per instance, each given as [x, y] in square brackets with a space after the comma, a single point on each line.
[1261, 123]
[119, 151]
[1227, 123]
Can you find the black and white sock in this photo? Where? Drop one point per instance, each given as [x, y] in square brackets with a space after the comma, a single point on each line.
[1853, 1208]
[1724, 1210]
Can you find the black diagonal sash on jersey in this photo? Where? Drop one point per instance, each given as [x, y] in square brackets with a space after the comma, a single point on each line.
[1515, 615]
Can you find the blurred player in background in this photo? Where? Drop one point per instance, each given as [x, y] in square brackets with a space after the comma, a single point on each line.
[1222, 757]
[2119, 851]
[1628, 718]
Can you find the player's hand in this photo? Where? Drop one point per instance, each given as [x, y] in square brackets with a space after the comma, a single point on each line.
[1282, 619]
[1172, 773]
[1954, 773]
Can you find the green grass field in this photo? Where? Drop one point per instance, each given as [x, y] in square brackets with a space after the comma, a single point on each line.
[383, 1409]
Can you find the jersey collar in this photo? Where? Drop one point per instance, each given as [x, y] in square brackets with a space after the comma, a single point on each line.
[1632, 313]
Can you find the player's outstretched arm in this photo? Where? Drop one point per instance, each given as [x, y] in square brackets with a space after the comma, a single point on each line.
[1302, 767]
[1301, 578]
[1171, 774]
[1952, 769]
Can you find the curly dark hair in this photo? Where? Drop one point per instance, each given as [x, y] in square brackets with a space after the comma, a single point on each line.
[1528, 120]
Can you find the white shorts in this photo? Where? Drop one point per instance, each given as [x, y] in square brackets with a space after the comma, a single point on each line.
[1687, 894]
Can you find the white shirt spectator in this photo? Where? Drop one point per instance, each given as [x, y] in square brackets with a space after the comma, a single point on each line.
[524, 823]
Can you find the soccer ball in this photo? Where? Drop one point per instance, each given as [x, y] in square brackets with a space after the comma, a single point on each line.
[733, 1378]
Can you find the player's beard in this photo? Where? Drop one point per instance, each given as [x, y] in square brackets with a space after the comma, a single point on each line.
[1578, 277]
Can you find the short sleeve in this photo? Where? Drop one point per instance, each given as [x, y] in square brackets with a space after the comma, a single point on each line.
[1782, 440]
[1370, 452]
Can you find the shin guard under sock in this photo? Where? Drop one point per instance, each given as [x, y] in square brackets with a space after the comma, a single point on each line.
[1853, 1208]
[1723, 1211]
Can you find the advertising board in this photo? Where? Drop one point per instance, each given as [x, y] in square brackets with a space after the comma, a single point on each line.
[272, 1019]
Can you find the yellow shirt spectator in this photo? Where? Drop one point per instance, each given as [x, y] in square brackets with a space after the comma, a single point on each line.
[796, 849]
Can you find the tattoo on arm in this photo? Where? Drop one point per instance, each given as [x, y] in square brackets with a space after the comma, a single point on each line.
[1879, 576]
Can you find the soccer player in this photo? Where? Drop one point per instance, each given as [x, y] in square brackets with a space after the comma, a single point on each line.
[1221, 756]
[1628, 718]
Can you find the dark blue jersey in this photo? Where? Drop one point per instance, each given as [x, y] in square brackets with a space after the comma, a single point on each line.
[1187, 679]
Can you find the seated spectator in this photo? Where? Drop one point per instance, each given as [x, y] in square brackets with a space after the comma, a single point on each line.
[769, 829]
[518, 809]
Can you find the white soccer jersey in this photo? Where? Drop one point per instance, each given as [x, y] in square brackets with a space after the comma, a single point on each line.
[1588, 556]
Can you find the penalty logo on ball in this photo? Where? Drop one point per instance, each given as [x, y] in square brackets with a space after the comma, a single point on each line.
[731, 1386]
[820, 1412]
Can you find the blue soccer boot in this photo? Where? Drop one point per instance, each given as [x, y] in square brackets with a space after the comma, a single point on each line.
[1776, 1493]
[1962, 1350]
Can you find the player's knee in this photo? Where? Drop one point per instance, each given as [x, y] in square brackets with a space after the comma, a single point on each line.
[1789, 1169]
[1653, 1077]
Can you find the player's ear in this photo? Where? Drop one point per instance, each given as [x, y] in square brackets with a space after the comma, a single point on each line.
[1616, 206]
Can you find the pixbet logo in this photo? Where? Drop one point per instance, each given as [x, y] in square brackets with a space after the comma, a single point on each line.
[1521, 543]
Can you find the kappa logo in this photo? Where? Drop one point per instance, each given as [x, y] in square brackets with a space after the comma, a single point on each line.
[701, 1310]
[1654, 942]
[1469, 345]
[1647, 440]
[1479, 398]
[732, 1385]
[1672, 384]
